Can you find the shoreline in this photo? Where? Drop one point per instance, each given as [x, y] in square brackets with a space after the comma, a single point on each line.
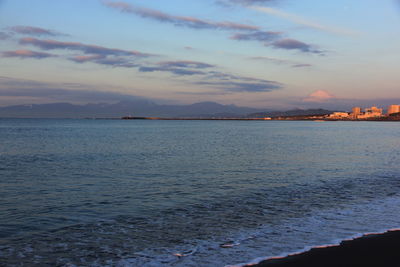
[375, 249]
[383, 119]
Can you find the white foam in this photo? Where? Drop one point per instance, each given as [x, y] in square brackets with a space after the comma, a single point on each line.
[331, 227]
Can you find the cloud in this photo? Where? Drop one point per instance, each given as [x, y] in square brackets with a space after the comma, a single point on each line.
[27, 54]
[105, 60]
[206, 93]
[292, 44]
[208, 76]
[35, 31]
[236, 87]
[186, 64]
[206, 73]
[92, 53]
[74, 92]
[260, 36]
[302, 21]
[254, 33]
[85, 48]
[275, 40]
[4, 36]
[279, 61]
[84, 59]
[302, 65]
[181, 21]
[178, 67]
[115, 57]
[175, 71]
[272, 59]
[235, 83]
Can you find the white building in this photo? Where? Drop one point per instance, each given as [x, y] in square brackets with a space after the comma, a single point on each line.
[394, 109]
[339, 115]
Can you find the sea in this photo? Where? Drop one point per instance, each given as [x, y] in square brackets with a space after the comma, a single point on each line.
[190, 193]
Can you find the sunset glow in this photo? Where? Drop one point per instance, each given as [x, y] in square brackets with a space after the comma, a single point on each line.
[267, 54]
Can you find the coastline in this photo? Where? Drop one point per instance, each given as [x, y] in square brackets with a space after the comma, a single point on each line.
[317, 119]
[381, 249]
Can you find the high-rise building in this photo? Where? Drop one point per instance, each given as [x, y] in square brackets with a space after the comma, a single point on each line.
[394, 109]
[356, 110]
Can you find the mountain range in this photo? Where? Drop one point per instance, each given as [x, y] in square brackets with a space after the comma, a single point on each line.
[124, 108]
[144, 108]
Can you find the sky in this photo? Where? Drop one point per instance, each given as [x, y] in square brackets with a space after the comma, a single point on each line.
[275, 54]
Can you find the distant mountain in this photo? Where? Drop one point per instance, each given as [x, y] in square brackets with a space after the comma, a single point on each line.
[124, 108]
[290, 113]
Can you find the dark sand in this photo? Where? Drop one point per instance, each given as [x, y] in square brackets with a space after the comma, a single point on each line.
[371, 250]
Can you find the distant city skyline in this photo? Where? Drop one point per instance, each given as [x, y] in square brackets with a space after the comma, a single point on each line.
[278, 54]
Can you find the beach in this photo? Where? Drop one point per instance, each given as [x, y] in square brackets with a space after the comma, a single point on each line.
[369, 250]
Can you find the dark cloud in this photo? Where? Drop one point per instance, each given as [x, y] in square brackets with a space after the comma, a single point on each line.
[176, 71]
[195, 23]
[105, 60]
[27, 54]
[274, 39]
[302, 66]
[233, 86]
[35, 31]
[207, 93]
[234, 83]
[279, 61]
[181, 21]
[178, 67]
[4, 36]
[292, 44]
[273, 60]
[10, 87]
[229, 77]
[122, 58]
[260, 36]
[208, 76]
[186, 64]
[92, 53]
[116, 62]
[108, 56]
[85, 48]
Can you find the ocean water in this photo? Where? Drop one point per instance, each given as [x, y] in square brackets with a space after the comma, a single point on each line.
[190, 193]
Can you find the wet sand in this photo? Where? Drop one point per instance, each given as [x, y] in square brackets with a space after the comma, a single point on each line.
[370, 250]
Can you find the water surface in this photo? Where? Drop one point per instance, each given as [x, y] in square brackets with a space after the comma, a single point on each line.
[134, 193]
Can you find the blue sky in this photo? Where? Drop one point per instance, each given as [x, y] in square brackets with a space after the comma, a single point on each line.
[261, 53]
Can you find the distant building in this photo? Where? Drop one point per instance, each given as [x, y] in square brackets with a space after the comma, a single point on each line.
[339, 115]
[372, 112]
[394, 109]
[356, 111]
